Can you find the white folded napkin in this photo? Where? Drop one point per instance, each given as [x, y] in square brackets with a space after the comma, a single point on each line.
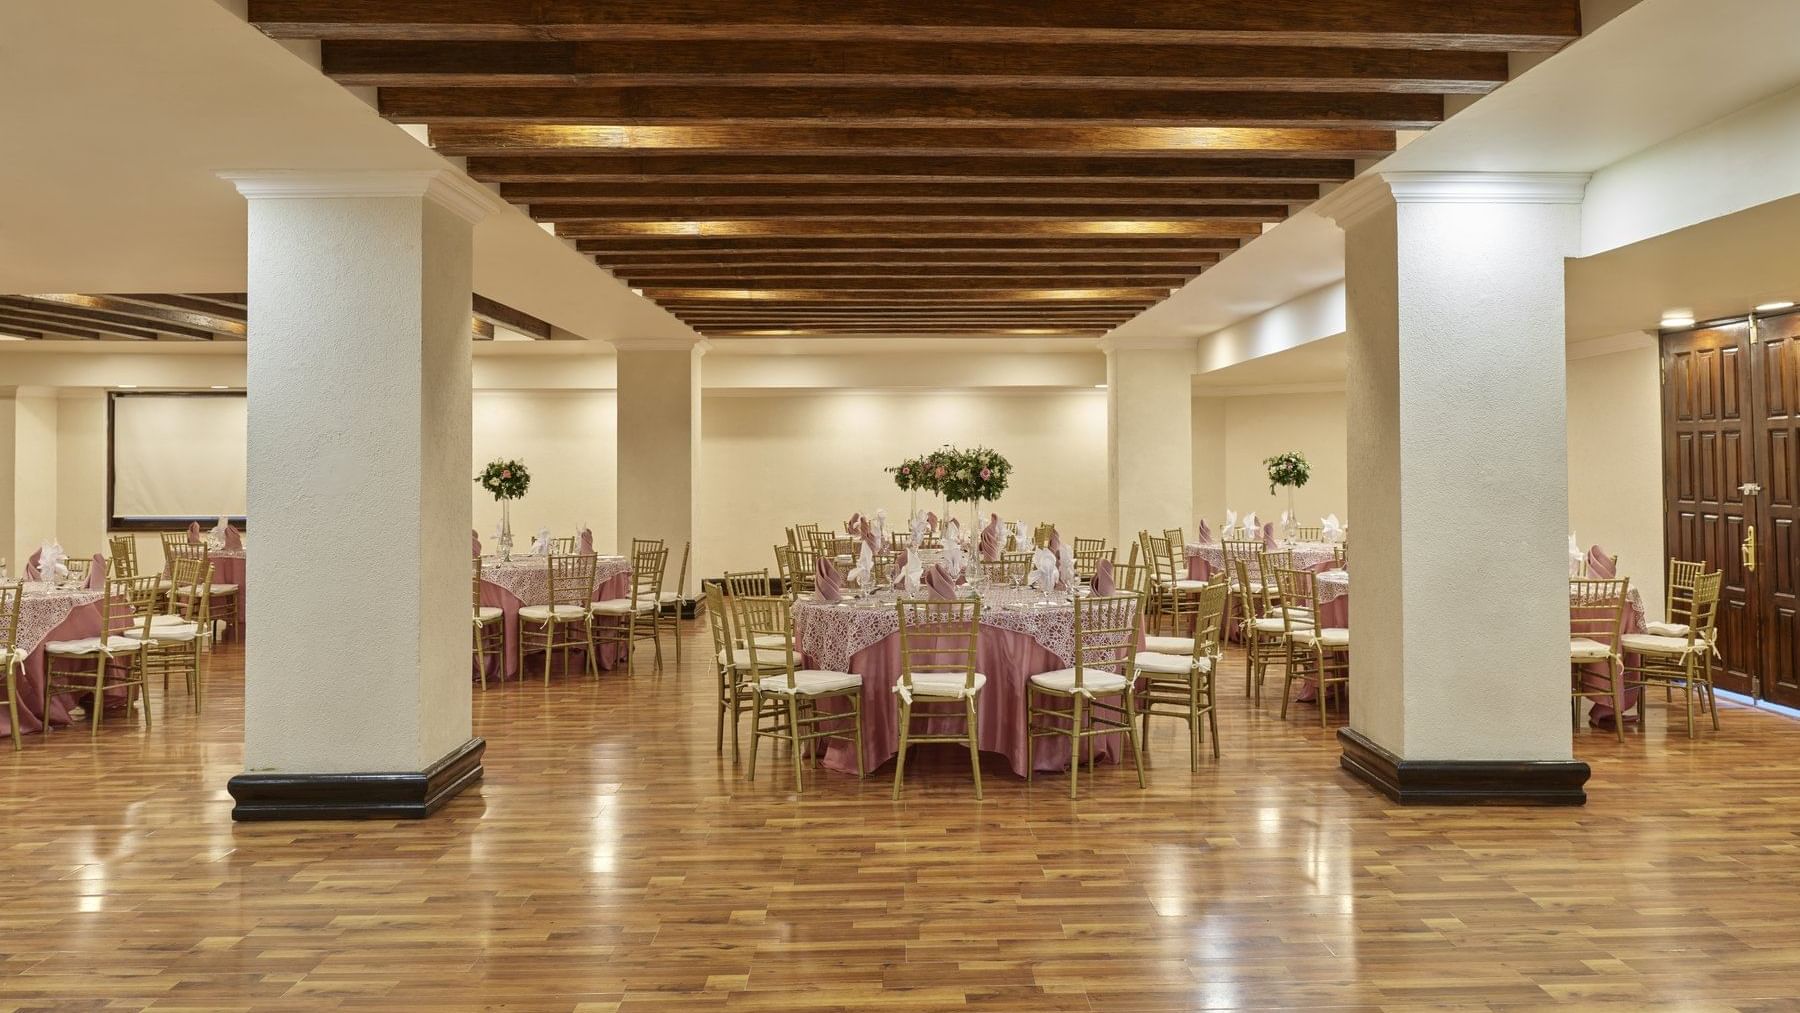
[1577, 558]
[1330, 529]
[51, 565]
[1065, 567]
[914, 573]
[881, 537]
[920, 527]
[1021, 537]
[864, 569]
[1252, 526]
[952, 531]
[953, 556]
[1043, 570]
[540, 546]
[1230, 528]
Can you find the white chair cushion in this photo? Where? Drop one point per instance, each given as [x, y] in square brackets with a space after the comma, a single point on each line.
[808, 682]
[1169, 645]
[1326, 638]
[1645, 643]
[669, 596]
[179, 633]
[946, 685]
[765, 642]
[1666, 629]
[185, 592]
[620, 607]
[540, 613]
[88, 646]
[1296, 612]
[740, 660]
[1092, 679]
[1171, 664]
[1275, 625]
[489, 613]
[1189, 585]
[1583, 649]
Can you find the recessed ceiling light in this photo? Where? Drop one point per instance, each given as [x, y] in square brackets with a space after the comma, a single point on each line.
[128, 386]
[1678, 318]
[220, 386]
[637, 292]
[1099, 386]
[1772, 307]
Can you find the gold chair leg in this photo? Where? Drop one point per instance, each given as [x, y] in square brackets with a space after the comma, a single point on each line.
[1075, 746]
[1193, 724]
[12, 709]
[1137, 752]
[1618, 695]
[974, 751]
[755, 732]
[793, 703]
[1212, 711]
[900, 757]
[1030, 739]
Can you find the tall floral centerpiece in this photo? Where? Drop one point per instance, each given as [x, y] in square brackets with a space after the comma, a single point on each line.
[971, 476]
[505, 481]
[1289, 471]
[911, 475]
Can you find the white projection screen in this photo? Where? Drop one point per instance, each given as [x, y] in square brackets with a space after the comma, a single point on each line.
[175, 457]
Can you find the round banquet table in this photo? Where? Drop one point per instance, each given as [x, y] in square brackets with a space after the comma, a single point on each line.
[1334, 611]
[51, 613]
[227, 568]
[525, 580]
[1020, 637]
[1206, 560]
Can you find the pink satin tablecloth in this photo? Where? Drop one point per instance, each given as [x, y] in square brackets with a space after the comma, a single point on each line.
[51, 615]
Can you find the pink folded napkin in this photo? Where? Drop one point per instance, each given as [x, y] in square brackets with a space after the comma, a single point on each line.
[1103, 578]
[868, 535]
[1055, 545]
[1204, 534]
[584, 542]
[826, 580]
[1600, 565]
[474, 542]
[931, 522]
[992, 541]
[31, 565]
[194, 533]
[233, 540]
[850, 526]
[943, 587]
[97, 573]
[1268, 534]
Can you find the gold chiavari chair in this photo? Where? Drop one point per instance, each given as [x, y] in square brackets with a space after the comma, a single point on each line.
[1040, 538]
[1080, 545]
[1132, 577]
[1177, 538]
[116, 659]
[176, 636]
[783, 697]
[803, 535]
[1265, 626]
[1246, 551]
[12, 659]
[1162, 577]
[1106, 636]
[79, 566]
[1340, 556]
[784, 569]
[1303, 533]
[1685, 660]
[629, 620]
[564, 546]
[1087, 560]
[566, 621]
[798, 579]
[1012, 568]
[1596, 622]
[938, 645]
[733, 667]
[1678, 598]
[672, 602]
[1322, 653]
[490, 629]
[221, 599]
[1177, 673]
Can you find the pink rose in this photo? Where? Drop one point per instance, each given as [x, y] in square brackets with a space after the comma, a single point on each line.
[941, 472]
[505, 473]
[985, 474]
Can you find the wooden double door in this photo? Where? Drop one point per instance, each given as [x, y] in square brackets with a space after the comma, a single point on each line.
[1731, 488]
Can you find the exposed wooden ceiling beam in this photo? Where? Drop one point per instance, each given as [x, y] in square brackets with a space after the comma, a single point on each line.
[1114, 141]
[703, 246]
[1050, 229]
[154, 316]
[73, 326]
[903, 270]
[41, 331]
[504, 315]
[1498, 25]
[901, 167]
[910, 107]
[912, 283]
[481, 330]
[990, 294]
[819, 264]
[911, 332]
[196, 304]
[890, 64]
[839, 191]
[876, 211]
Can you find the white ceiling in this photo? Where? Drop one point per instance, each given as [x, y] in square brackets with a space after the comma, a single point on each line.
[120, 115]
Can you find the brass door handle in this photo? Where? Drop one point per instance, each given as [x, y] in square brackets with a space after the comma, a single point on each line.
[1749, 548]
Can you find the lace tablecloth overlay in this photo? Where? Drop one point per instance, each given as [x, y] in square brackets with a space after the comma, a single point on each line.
[1334, 584]
[45, 608]
[527, 578]
[832, 633]
[1307, 555]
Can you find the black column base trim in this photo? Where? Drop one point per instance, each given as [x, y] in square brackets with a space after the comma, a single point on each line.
[386, 796]
[1463, 782]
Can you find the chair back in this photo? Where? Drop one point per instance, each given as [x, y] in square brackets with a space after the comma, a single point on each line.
[171, 541]
[79, 566]
[803, 535]
[122, 551]
[572, 580]
[1159, 555]
[1679, 596]
[1246, 551]
[1209, 619]
[128, 602]
[1133, 577]
[1703, 606]
[12, 604]
[1041, 537]
[939, 638]
[645, 545]
[759, 620]
[1012, 567]
[798, 579]
[681, 575]
[190, 590]
[1303, 533]
[748, 583]
[1297, 590]
[1597, 610]
[475, 583]
[1176, 537]
[1106, 634]
[1086, 560]
[1340, 555]
[1256, 595]
[716, 621]
[647, 565]
[1081, 545]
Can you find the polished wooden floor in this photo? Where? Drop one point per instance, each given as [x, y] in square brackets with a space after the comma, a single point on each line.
[611, 861]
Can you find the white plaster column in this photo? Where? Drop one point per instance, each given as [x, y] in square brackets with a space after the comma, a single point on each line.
[1149, 436]
[1458, 484]
[659, 445]
[358, 376]
[35, 471]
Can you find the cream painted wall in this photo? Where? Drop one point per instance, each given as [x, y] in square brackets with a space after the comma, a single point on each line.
[1243, 431]
[81, 472]
[1615, 463]
[8, 550]
[36, 484]
[569, 441]
[773, 460]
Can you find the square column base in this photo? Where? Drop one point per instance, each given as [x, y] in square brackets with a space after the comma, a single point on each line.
[357, 796]
[1463, 782]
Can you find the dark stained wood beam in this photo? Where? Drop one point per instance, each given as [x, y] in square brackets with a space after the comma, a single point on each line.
[909, 332]
[812, 63]
[839, 191]
[196, 304]
[71, 321]
[1114, 141]
[990, 294]
[939, 283]
[910, 107]
[35, 330]
[518, 320]
[901, 167]
[650, 266]
[704, 246]
[481, 330]
[1498, 25]
[1049, 229]
[876, 211]
[905, 270]
[154, 316]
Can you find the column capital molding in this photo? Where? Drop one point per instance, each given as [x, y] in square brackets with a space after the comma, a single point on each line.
[447, 188]
[698, 346]
[1148, 343]
[1357, 200]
